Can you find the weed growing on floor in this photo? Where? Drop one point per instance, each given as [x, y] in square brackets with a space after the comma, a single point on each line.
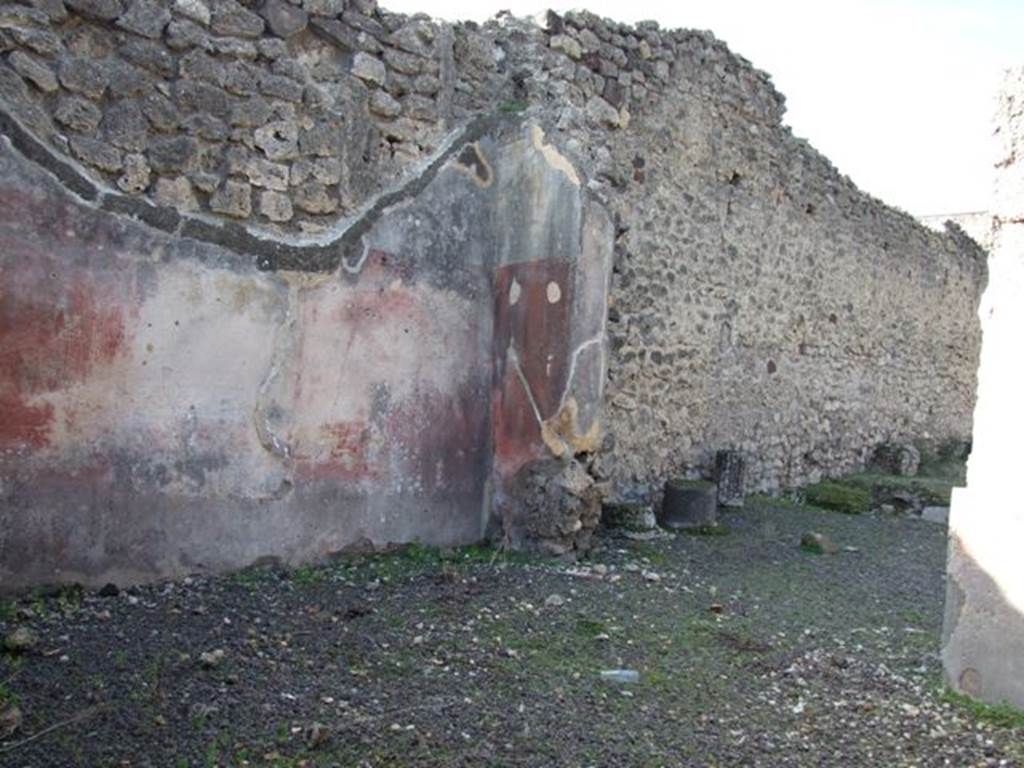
[999, 715]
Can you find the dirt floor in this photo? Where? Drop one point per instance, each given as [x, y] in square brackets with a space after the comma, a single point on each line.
[750, 652]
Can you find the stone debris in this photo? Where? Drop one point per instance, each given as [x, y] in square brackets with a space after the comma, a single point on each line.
[10, 719]
[623, 676]
[316, 735]
[938, 515]
[21, 640]
[818, 543]
[211, 659]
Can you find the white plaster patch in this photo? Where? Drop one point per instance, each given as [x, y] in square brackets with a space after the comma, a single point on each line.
[554, 293]
[552, 156]
[514, 291]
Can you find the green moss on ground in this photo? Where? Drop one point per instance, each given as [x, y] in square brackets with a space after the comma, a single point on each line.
[850, 500]
[934, 491]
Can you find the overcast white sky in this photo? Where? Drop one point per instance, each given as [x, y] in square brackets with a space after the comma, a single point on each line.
[899, 94]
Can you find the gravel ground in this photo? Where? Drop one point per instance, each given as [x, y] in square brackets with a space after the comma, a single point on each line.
[750, 652]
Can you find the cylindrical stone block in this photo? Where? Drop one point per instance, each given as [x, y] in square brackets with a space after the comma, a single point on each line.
[730, 475]
[689, 504]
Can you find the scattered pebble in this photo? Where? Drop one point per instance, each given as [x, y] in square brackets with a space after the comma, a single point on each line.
[211, 659]
[21, 640]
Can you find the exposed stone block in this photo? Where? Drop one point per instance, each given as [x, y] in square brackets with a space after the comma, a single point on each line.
[334, 32]
[279, 140]
[145, 17]
[173, 155]
[124, 125]
[96, 153]
[230, 46]
[125, 80]
[369, 68]
[324, 7]
[232, 19]
[183, 34]
[384, 104]
[263, 173]
[271, 48]
[104, 10]
[135, 178]
[33, 70]
[276, 207]
[251, 113]
[241, 79]
[280, 87]
[601, 113]
[234, 198]
[77, 114]
[40, 41]
[14, 16]
[313, 197]
[197, 10]
[176, 192]
[566, 45]
[325, 170]
[195, 96]
[283, 19]
[401, 61]
[54, 9]
[150, 55]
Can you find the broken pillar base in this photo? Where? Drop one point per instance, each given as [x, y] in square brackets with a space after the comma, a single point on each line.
[689, 504]
[730, 475]
[553, 507]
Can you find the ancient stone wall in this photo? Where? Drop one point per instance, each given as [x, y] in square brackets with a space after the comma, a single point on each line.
[280, 277]
[760, 302]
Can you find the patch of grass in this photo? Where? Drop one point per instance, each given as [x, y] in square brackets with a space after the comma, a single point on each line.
[651, 552]
[253, 577]
[213, 749]
[7, 696]
[838, 497]
[999, 715]
[69, 599]
[305, 575]
[590, 627]
[764, 501]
